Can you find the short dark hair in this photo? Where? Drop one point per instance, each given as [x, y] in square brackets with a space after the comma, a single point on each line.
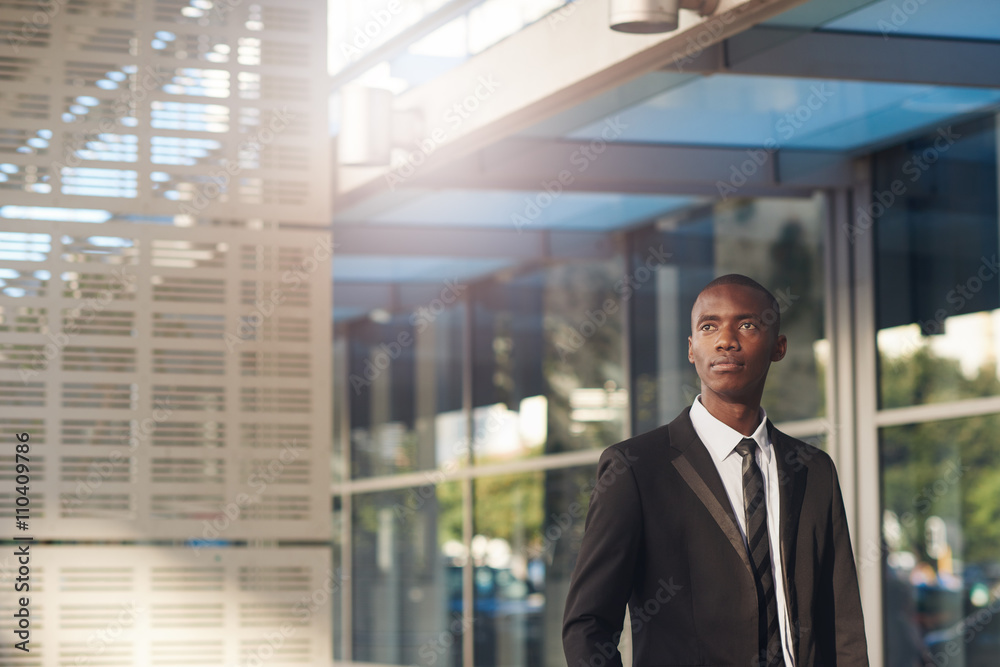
[746, 281]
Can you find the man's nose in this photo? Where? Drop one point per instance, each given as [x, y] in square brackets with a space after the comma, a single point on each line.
[727, 339]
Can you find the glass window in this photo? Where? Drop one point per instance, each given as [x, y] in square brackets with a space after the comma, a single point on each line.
[937, 242]
[407, 576]
[404, 385]
[941, 538]
[778, 243]
[528, 529]
[547, 362]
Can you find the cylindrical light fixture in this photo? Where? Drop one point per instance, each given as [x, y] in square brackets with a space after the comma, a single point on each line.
[650, 16]
[366, 126]
[644, 16]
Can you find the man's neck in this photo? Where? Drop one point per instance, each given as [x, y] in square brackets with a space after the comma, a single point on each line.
[743, 418]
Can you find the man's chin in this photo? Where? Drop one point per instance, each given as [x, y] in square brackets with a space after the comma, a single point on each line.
[729, 394]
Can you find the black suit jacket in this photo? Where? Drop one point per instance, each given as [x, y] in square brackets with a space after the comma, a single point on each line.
[661, 536]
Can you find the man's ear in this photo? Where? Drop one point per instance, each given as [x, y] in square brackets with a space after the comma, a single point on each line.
[690, 351]
[779, 349]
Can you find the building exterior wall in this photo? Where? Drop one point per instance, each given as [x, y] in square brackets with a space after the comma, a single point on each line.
[164, 328]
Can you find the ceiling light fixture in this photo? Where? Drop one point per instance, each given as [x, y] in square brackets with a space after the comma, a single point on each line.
[651, 16]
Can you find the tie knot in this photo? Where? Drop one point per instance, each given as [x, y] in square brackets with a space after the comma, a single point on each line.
[746, 447]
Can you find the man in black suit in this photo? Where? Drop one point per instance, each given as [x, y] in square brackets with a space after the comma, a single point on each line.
[666, 531]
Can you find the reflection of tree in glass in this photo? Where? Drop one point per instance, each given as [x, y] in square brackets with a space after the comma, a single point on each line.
[449, 516]
[577, 295]
[919, 475]
[951, 470]
[509, 507]
[531, 511]
[796, 387]
[922, 377]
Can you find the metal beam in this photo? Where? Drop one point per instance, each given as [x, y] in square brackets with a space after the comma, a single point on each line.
[503, 90]
[522, 245]
[789, 52]
[797, 52]
[860, 57]
[363, 295]
[526, 247]
[584, 166]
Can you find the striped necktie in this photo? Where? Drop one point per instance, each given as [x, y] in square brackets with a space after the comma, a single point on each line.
[769, 632]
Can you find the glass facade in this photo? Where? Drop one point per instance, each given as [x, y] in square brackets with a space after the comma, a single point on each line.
[528, 529]
[860, 186]
[779, 242]
[941, 501]
[407, 588]
[935, 199]
[547, 356]
[936, 244]
[527, 371]
[516, 386]
[405, 390]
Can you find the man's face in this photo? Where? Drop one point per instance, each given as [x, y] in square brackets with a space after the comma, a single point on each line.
[733, 343]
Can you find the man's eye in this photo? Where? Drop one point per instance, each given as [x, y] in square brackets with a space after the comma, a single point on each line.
[748, 324]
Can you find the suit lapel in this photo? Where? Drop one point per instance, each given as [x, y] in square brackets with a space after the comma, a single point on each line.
[697, 469]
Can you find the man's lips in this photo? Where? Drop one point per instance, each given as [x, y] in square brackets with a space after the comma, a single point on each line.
[727, 364]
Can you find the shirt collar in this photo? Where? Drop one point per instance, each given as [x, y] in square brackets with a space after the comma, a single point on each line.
[720, 439]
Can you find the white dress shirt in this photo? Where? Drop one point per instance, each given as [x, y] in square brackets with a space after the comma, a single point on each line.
[721, 441]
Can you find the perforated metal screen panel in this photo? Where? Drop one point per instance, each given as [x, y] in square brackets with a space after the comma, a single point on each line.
[192, 107]
[165, 267]
[165, 327]
[129, 606]
[165, 398]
